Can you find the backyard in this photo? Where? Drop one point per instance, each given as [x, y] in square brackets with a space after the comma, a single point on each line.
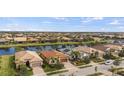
[7, 67]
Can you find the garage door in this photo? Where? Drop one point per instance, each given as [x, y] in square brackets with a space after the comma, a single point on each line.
[64, 60]
[36, 64]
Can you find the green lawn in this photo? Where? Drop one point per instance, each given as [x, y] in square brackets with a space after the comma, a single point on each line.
[56, 43]
[97, 60]
[96, 74]
[6, 66]
[38, 44]
[84, 66]
[56, 72]
[79, 63]
[48, 68]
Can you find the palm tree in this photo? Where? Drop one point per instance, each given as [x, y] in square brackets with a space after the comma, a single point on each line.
[121, 53]
[86, 60]
[96, 68]
[75, 55]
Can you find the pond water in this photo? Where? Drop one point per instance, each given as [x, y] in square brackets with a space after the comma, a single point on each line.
[10, 51]
[7, 51]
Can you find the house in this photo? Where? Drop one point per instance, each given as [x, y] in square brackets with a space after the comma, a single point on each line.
[3, 41]
[113, 46]
[101, 47]
[85, 51]
[20, 39]
[31, 39]
[55, 54]
[29, 58]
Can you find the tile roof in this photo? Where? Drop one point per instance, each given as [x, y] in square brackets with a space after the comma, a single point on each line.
[100, 47]
[53, 53]
[23, 55]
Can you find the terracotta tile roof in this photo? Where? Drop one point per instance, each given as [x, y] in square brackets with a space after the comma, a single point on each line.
[100, 47]
[53, 53]
[25, 55]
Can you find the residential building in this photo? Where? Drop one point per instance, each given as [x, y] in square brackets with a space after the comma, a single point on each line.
[55, 54]
[29, 58]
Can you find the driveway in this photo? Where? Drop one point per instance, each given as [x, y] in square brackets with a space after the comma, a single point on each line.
[70, 67]
[38, 71]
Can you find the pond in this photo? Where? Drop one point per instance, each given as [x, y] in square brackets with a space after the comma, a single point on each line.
[10, 51]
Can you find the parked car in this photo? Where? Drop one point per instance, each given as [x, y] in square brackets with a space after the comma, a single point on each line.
[109, 62]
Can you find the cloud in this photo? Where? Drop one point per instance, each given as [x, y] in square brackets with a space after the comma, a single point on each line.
[89, 19]
[115, 22]
[97, 18]
[61, 18]
[17, 27]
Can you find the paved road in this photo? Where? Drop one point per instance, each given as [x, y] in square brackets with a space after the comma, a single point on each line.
[38, 71]
[90, 70]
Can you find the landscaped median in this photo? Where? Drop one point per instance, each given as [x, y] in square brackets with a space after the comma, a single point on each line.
[84, 66]
[96, 74]
[56, 72]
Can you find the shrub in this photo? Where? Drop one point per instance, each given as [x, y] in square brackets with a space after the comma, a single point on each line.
[23, 70]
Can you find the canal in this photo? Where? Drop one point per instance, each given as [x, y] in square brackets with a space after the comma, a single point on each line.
[12, 50]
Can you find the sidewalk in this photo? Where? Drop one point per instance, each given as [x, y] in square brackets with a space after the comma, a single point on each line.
[38, 71]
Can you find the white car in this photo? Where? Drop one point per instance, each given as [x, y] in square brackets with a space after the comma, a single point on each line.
[109, 62]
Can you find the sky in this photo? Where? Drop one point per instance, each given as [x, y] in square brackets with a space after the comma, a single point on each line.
[62, 24]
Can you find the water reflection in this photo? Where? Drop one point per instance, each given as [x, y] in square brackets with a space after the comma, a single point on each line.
[63, 48]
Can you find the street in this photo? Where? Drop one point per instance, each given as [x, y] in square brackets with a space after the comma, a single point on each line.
[90, 70]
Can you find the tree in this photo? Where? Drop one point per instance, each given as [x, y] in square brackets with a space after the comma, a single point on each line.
[86, 60]
[23, 70]
[75, 55]
[94, 54]
[96, 68]
[108, 55]
[121, 53]
[116, 62]
[54, 60]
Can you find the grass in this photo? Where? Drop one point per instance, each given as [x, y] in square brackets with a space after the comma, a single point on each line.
[29, 73]
[7, 66]
[0, 59]
[19, 49]
[56, 72]
[48, 68]
[45, 44]
[116, 69]
[85, 66]
[79, 63]
[95, 74]
[120, 73]
[38, 44]
[97, 60]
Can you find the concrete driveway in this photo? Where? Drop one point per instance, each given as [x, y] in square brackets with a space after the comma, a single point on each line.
[38, 71]
[70, 67]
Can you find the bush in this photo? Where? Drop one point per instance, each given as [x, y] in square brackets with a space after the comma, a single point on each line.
[52, 67]
[120, 73]
[117, 63]
[23, 71]
[57, 66]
